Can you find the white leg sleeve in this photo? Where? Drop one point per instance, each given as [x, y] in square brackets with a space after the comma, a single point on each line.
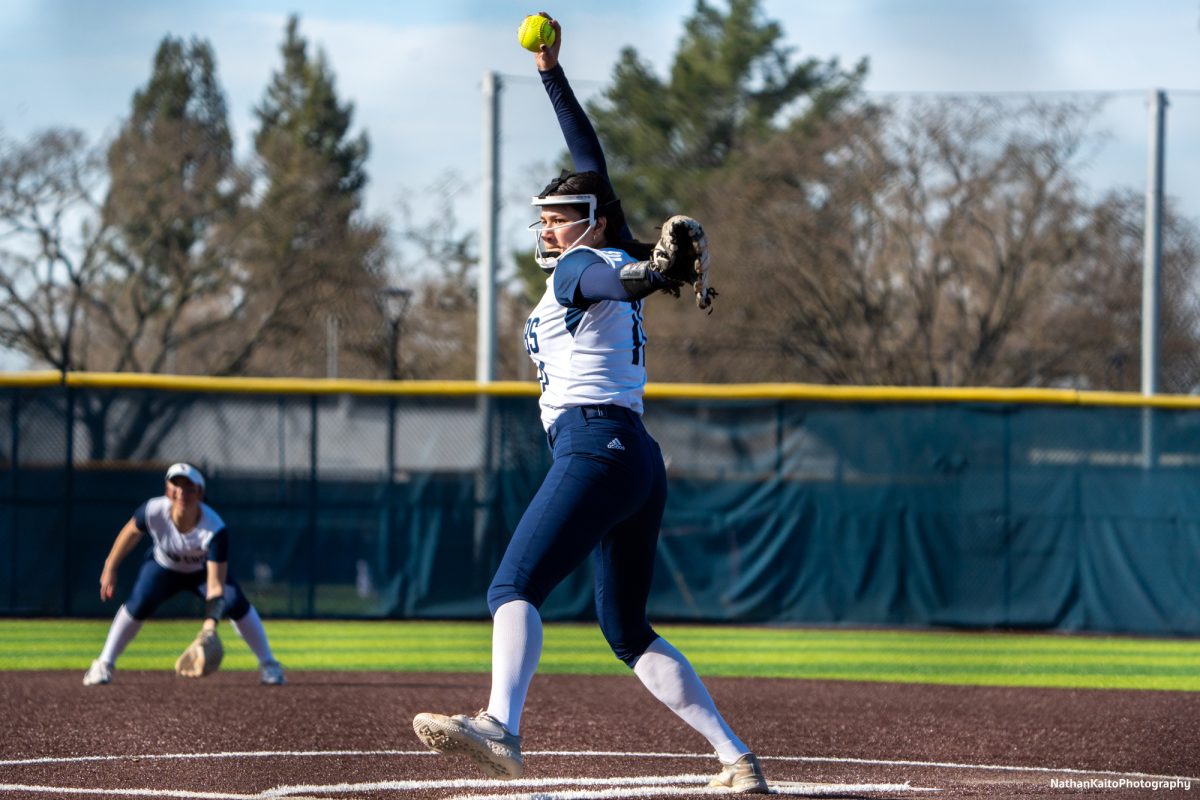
[670, 677]
[124, 628]
[516, 650]
[250, 628]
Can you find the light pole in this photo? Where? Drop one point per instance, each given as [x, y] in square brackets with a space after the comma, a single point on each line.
[394, 302]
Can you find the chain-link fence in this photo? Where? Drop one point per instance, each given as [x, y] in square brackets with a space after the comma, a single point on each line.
[787, 504]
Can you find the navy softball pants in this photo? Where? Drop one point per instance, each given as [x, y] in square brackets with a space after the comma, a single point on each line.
[604, 495]
[156, 584]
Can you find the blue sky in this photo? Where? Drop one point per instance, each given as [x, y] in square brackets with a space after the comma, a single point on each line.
[413, 70]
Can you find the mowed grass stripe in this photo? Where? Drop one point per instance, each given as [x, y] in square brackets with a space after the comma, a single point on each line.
[985, 659]
[944, 641]
[758, 638]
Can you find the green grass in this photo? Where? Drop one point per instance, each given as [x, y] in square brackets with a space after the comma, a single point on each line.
[978, 659]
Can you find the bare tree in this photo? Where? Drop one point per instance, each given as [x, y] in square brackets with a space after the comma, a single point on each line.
[943, 243]
[1097, 314]
[439, 261]
[52, 246]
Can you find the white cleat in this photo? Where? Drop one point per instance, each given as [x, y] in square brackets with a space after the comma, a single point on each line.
[98, 674]
[481, 738]
[744, 776]
[271, 674]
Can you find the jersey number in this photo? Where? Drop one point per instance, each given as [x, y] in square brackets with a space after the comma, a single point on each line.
[531, 342]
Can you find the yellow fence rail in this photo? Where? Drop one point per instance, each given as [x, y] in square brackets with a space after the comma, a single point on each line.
[672, 391]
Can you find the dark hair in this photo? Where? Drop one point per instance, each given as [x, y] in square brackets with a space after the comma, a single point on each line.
[607, 206]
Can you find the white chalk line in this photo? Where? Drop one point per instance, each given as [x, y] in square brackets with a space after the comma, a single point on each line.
[481, 783]
[21, 787]
[986, 767]
[794, 790]
[645, 785]
[20, 762]
[647, 782]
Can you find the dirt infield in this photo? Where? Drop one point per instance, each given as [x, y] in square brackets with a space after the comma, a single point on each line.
[349, 735]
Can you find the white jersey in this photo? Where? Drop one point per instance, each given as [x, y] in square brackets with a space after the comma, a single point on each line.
[182, 552]
[586, 353]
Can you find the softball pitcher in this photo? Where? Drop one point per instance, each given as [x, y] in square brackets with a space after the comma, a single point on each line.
[606, 489]
[190, 553]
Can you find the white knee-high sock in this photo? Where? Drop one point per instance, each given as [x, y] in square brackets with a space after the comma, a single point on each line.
[250, 628]
[124, 628]
[670, 677]
[516, 650]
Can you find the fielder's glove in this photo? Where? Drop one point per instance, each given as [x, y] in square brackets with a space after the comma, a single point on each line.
[681, 254]
[202, 657]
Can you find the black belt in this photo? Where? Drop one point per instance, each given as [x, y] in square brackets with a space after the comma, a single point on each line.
[606, 411]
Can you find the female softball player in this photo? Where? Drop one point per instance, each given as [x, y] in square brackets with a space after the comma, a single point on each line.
[190, 553]
[605, 492]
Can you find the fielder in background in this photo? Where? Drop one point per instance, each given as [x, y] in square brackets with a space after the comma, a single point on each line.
[190, 553]
[606, 489]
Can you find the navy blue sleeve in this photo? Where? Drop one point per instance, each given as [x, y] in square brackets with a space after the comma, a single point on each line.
[218, 548]
[576, 127]
[139, 517]
[577, 130]
[602, 282]
[583, 278]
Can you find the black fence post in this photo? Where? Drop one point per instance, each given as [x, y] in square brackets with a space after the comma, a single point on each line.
[1007, 520]
[14, 485]
[779, 441]
[312, 507]
[69, 491]
[384, 568]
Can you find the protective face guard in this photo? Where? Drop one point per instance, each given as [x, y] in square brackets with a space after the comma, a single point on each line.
[545, 259]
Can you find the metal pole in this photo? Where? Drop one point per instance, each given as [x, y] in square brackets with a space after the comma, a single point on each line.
[1152, 267]
[331, 346]
[1152, 255]
[485, 355]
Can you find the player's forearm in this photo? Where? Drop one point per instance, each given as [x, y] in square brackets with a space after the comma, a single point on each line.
[126, 540]
[214, 597]
[217, 570]
[577, 129]
[631, 282]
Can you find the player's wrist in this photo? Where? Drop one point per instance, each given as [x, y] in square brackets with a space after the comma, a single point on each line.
[214, 607]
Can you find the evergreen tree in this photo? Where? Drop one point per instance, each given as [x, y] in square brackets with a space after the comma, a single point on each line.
[316, 263]
[301, 117]
[732, 83]
[173, 184]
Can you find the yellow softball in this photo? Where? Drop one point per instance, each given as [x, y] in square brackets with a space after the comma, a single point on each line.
[534, 32]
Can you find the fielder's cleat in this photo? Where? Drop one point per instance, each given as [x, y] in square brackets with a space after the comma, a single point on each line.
[98, 673]
[481, 738]
[744, 776]
[271, 674]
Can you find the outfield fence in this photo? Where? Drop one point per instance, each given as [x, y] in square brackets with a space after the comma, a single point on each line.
[983, 508]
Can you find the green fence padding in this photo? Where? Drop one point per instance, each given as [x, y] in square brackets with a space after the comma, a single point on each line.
[792, 507]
